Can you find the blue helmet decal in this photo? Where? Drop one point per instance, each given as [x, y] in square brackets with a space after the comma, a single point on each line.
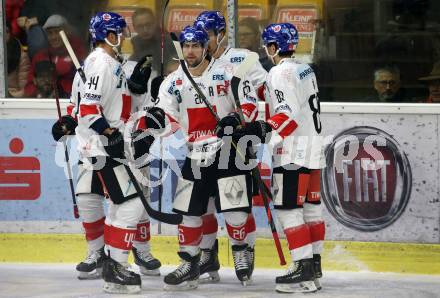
[211, 20]
[103, 23]
[284, 35]
[193, 34]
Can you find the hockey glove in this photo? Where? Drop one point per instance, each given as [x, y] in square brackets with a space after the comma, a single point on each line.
[141, 144]
[64, 126]
[257, 128]
[115, 144]
[138, 82]
[155, 118]
[155, 85]
[232, 120]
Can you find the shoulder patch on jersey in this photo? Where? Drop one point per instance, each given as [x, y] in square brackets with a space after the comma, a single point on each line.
[118, 70]
[178, 96]
[218, 77]
[236, 59]
[282, 108]
[304, 73]
[171, 87]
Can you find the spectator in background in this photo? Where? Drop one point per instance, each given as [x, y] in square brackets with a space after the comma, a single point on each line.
[58, 55]
[388, 86]
[44, 79]
[148, 38]
[433, 82]
[13, 9]
[249, 38]
[18, 65]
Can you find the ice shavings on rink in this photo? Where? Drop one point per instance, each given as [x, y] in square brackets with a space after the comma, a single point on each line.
[47, 280]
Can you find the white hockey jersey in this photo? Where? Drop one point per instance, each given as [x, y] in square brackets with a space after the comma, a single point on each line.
[105, 94]
[181, 103]
[257, 73]
[292, 94]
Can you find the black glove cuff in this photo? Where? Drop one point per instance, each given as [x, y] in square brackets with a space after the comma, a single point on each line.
[155, 118]
[137, 88]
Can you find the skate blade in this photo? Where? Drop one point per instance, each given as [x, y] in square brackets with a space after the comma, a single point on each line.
[147, 272]
[185, 286]
[210, 277]
[113, 288]
[95, 274]
[245, 282]
[317, 283]
[302, 287]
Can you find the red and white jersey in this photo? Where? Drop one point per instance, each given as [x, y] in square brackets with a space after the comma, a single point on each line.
[292, 94]
[105, 94]
[257, 73]
[183, 106]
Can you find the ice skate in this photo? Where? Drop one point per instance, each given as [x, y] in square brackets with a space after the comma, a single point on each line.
[148, 265]
[251, 260]
[239, 253]
[298, 278]
[91, 267]
[210, 265]
[186, 276]
[118, 279]
[318, 270]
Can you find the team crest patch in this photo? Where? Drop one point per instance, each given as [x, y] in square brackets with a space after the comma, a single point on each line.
[106, 17]
[276, 28]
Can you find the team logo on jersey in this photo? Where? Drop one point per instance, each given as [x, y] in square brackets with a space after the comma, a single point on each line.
[106, 17]
[178, 82]
[222, 90]
[367, 183]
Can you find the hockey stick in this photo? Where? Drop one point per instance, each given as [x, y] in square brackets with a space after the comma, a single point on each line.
[162, 46]
[66, 152]
[238, 75]
[66, 155]
[265, 194]
[170, 218]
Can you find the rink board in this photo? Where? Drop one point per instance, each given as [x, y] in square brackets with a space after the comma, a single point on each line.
[337, 256]
[42, 204]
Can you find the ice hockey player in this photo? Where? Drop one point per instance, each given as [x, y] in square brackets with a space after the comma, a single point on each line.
[213, 22]
[292, 94]
[105, 106]
[210, 168]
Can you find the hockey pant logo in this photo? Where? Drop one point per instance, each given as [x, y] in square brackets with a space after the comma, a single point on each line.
[233, 192]
[183, 194]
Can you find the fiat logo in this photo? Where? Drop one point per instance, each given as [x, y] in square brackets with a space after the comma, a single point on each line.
[367, 182]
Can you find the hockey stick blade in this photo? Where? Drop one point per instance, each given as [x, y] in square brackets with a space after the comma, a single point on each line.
[241, 70]
[169, 218]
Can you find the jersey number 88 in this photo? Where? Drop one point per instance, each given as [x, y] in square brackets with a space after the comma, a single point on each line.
[316, 109]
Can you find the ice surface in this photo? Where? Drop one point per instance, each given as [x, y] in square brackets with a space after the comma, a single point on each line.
[59, 280]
